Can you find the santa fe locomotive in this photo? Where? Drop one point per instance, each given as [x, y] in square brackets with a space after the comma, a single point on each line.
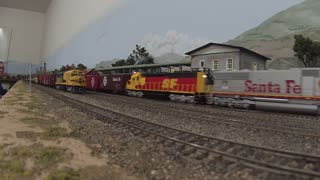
[294, 90]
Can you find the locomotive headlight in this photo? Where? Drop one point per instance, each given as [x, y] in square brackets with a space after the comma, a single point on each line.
[204, 76]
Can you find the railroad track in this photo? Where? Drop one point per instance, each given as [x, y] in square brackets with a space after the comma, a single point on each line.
[220, 118]
[290, 164]
[223, 110]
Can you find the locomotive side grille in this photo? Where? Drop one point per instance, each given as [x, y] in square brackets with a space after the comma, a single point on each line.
[232, 76]
[313, 73]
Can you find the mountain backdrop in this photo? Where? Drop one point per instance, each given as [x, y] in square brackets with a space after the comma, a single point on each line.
[275, 37]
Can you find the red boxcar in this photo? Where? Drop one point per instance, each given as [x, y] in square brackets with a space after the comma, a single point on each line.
[93, 82]
[51, 80]
[47, 79]
[114, 83]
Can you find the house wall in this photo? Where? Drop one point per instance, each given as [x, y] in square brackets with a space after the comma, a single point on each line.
[26, 40]
[74, 26]
[248, 59]
[222, 57]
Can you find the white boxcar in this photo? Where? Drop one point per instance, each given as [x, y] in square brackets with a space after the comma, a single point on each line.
[294, 90]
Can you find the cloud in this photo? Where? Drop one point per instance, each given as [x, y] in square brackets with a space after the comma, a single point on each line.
[171, 42]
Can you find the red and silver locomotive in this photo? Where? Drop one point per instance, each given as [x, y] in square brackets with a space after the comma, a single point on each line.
[294, 90]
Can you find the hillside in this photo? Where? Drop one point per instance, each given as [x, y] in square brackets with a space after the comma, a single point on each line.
[274, 37]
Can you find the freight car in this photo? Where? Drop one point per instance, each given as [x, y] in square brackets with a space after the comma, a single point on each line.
[48, 79]
[107, 83]
[295, 90]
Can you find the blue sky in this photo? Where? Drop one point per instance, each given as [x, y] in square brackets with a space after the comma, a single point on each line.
[166, 25]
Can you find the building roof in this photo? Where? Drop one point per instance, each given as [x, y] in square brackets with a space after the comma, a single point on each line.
[226, 45]
[143, 66]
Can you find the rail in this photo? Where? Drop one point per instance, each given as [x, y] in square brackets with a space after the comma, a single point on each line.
[270, 160]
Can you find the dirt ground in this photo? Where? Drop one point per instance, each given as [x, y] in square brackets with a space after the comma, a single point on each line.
[38, 145]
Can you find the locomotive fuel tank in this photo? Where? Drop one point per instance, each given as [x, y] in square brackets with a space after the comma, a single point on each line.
[287, 107]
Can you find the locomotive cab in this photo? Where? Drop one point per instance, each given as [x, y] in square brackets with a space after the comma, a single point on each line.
[135, 80]
[134, 83]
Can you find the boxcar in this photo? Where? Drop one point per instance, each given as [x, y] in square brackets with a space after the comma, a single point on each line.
[52, 80]
[114, 83]
[93, 82]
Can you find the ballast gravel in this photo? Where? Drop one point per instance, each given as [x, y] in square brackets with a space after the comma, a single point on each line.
[142, 157]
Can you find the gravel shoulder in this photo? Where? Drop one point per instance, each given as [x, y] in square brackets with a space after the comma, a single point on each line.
[36, 143]
[141, 157]
[246, 135]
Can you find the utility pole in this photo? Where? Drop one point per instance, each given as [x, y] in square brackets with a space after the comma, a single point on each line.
[30, 69]
[9, 45]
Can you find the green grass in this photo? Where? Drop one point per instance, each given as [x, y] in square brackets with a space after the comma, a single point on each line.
[54, 132]
[48, 155]
[37, 121]
[51, 132]
[12, 169]
[13, 166]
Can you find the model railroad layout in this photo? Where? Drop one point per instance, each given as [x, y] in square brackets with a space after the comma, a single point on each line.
[192, 145]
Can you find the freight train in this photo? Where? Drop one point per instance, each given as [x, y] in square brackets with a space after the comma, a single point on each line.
[294, 90]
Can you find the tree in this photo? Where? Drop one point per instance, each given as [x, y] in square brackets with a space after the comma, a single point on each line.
[121, 62]
[141, 56]
[81, 67]
[130, 60]
[307, 50]
[138, 56]
[63, 68]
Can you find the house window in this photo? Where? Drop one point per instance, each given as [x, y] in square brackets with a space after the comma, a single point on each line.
[229, 64]
[254, 66]
[261, 67]
[216, 65]
[202, 63]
